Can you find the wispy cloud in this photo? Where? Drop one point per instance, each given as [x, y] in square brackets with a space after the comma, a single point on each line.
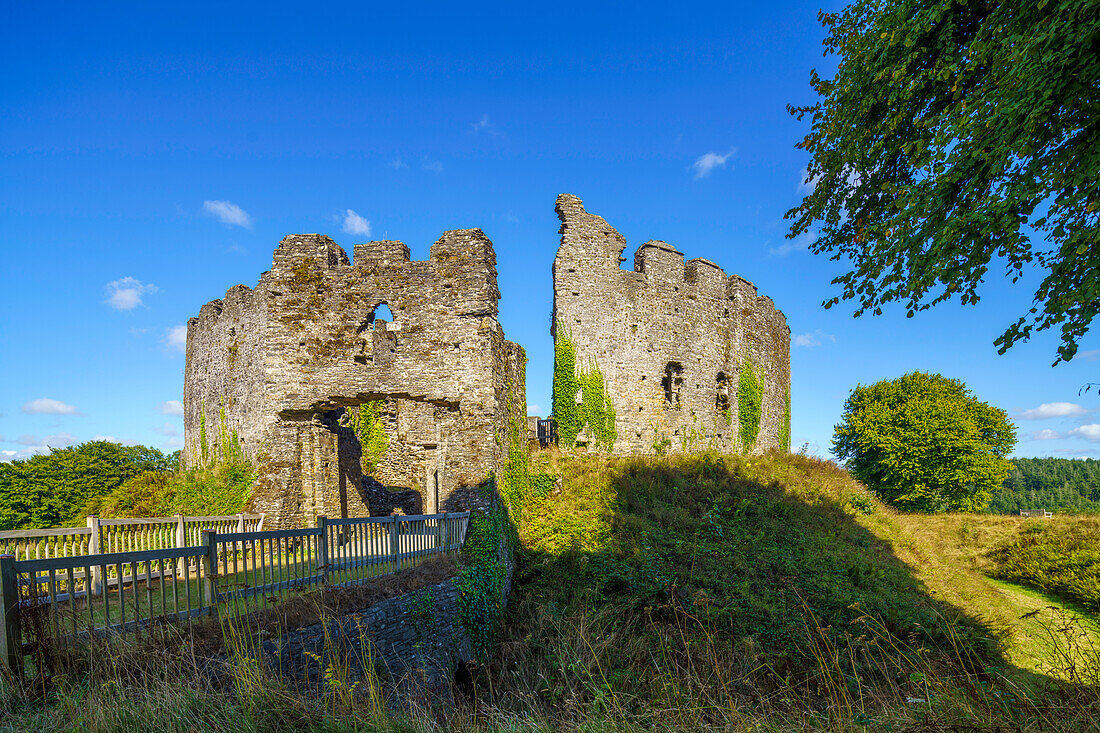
[106, 438]
[228, 212]
[484, 125]
[707, 162]
[173, 444]
[125, 294]
[397, 164]
[171, 407]
[57, 440]
[168, 430]
[355, 224]
[1087, 355]
[813, 338]
[431, 165]
[1088, 432]
[801, 243]
[1052, 409]
[533, 409]
[47, 406]
[175, 338]
[1046, 434]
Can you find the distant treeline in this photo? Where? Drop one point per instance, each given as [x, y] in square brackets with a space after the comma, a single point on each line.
[53, 490]
[60, 488]
[1053, 484]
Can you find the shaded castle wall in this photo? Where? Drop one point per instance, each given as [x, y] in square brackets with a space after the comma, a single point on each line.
[287, 357]
[634, 325]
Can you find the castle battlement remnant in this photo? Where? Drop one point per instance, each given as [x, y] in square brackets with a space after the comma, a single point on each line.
[282, 373]
[673, 355]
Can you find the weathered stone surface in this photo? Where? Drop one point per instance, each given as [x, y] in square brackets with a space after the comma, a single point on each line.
[274, 367]
[667, 327]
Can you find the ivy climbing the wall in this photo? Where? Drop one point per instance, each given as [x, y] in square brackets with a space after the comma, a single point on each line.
[785, 426]
[750, 401]
[594, 411]
[597, 412]
[563, 400]
[491, 535]
[366, 421]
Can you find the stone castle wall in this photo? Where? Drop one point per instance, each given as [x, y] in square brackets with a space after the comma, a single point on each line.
[273, 368]
[670, 337]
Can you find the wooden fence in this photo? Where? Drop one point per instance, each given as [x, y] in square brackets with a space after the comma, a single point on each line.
[67, 597]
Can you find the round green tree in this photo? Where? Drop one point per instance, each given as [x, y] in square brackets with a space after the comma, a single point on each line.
[923, 442]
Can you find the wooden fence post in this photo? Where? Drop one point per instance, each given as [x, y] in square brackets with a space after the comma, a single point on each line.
[260, 524]
[210, 569]
[181, 541]
[322, 548]
[441, 538]
[240, 522]
[395, 543]
[95, 583]
[11, 638]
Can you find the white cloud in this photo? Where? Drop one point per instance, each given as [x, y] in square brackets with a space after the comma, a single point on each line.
[1046, 434]
[106, 438]
[171, 407]
[813, 338]
[168, 430]
[1088, 432]
[707, 162]
[432, 166]
[173, 444]
[397, 164]
[533, 409]
[806, 183]
[228, 212]
[1087, 355]
[355, 224]
[125, 294]
[175, 338]
[801, 243]
[483, 125]
[46, 406]
[1052, 409]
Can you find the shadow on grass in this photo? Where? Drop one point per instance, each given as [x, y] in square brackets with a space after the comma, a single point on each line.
[712, 582]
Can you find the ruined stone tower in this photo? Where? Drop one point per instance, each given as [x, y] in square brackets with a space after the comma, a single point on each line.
[276, 371]
[679, 347]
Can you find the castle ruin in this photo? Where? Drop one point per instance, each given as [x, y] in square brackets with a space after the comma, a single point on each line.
[279, 374]
[670, 356]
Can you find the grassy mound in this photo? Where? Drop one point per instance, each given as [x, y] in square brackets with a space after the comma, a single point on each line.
[708, 580]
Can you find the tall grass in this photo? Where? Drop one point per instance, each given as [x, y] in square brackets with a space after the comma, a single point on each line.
[698, 593]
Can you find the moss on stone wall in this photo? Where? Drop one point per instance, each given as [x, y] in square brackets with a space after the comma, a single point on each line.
[750, 402]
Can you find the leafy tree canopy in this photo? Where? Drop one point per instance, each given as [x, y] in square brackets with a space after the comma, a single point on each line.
[952, 132]
[922, 442]
[52, 490]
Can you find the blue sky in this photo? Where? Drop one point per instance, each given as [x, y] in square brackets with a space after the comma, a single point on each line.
[150, 160]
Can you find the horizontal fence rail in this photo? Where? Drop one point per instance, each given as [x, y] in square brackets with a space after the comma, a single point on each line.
[120, 535]
[231, 567]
